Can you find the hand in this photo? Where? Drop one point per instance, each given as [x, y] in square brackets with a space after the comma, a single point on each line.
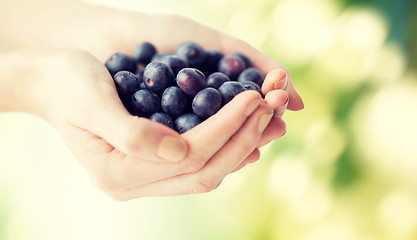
[130, 157]
[164, 32]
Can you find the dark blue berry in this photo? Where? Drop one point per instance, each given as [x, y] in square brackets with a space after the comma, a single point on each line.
[126, 84]
[232, 66]
[230, 89]
[215, 80]
[174, 101]
[145, 103]
[186, 122]
[207, 102]
[248, 63]
[158, 76]
[193, 53]
[159, 56]
[144, 52]
[252, 86]
[212, 61]
[191, 81]
[119, 62]
[174, 62]
[251, 75]
[162, 118]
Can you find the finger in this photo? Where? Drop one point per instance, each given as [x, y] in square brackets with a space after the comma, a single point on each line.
[106, 117]
[279, 79]
[276, 129]
[277, 100]
[238, 148]
[253, 157]
[208, 137]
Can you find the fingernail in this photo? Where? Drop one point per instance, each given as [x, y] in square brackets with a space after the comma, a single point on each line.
[172, 149]
[282, 83]
[252, 106]
[264, 121]
[279, 111]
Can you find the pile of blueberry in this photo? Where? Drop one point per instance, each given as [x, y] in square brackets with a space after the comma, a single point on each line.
[180, 89]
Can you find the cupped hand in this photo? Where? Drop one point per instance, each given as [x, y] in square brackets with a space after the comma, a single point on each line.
[130, 157]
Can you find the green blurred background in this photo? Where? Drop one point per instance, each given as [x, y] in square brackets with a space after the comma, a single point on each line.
[345, 170]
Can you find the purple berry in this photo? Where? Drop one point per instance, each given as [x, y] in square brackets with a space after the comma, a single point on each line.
[193, 53]
[119, 62]
[158, 76]
[230, 89]
[232, 66]
[145, 103]
[174, 101]
[251, 75]
[215, 80]
[186, 122]
[191, 81]
[174, 62]
[126, 84]
[144, 52]
[207, 102]
[162, 118]
[248, 63]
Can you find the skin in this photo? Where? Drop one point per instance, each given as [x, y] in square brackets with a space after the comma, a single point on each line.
[61, 78]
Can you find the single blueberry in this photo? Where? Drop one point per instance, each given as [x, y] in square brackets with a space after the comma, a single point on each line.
[126, 84]
[174, 62]
[248, 63]
[215, 80]
[162, 118]
[193, 53]
[212, 61]
[186, 122]
[174, 101]
[230, 89]
[119, 62]
[252, 86]
[207, 102]
[159, 56]
[158, 76]
[251, 75]
[145, 103]
[191, 81]
[144, 52]
[232, 66]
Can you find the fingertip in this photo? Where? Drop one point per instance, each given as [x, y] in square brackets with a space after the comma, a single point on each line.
[275, 79]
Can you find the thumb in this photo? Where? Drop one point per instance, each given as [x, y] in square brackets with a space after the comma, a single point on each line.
[132, 135]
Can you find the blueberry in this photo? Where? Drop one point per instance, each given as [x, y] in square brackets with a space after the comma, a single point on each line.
[127, 84]
[216, 79]
[248, 63]
[158, 76]
[162, 118]
[251, 75]
[252, 86]
[191, 81]
[193, 53]
[207, 102]
[159, 56]
[174, 62]
[139, 74]
[119, 62]
[143, 52]
[186, 122]
[230, 89]
[174, 101]
[232, 66]
[145, 103]
[212, 60]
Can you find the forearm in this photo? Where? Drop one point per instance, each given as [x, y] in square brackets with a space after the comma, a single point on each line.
[19, 78]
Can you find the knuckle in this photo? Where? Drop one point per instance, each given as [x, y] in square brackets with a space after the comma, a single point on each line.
[191, 165]
[204, 184]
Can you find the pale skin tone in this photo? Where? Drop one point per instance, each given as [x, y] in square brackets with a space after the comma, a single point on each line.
[53, 68]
